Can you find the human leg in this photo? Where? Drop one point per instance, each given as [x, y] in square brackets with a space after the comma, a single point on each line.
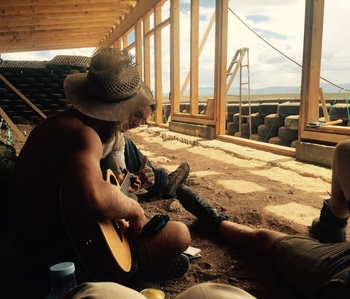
[255, 240]
[331, 226]
[340, 199]
[316, 269]
[160, 257]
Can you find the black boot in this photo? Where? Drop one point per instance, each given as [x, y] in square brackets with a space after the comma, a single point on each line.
[193, 203]
[328, 228]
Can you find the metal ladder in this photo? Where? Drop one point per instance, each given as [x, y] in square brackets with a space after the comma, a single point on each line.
[240, 62]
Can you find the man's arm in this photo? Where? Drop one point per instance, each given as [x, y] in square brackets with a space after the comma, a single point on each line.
[84, 183]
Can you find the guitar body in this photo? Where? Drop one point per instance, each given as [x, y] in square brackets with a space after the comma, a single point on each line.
[102, 247]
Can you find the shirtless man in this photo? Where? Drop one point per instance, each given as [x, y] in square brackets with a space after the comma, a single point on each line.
[64, 152]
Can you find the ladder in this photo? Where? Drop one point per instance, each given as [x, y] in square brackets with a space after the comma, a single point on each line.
[240, 62]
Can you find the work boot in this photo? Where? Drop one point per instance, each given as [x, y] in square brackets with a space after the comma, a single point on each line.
[176, 179]
[328, 228]
[209, 216]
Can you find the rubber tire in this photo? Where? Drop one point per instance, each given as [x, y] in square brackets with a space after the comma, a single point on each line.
[287, 135]
[256, 119]
[340, 111]
[291, 122]
[267, 108]
[273, 120]
[288, 108]
[267, 132]
[278, 141]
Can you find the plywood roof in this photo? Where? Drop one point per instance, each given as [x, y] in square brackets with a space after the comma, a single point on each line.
[32, 25]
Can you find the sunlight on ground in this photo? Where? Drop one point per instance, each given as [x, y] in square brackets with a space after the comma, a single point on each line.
[295, 212]
[294, 179]
[223, 157]
[240, 186]
[205, 173]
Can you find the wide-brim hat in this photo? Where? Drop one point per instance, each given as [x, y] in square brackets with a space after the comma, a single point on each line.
[111, 90]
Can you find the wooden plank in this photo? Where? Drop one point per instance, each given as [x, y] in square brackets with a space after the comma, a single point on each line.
[175, 95]
[209, 110]
[273, 148]
[193, 119]
[12, 125]
[221, 33]
[323, 103]
[67, 8]
[158, 71]
[194, 57]
[137, 13]
[22, 96]
[5, 4]
[325, 135]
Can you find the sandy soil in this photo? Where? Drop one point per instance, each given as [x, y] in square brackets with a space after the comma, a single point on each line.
[252, 187]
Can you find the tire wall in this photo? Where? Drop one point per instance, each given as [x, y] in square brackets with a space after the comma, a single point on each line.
[277, 123]
[41, 83]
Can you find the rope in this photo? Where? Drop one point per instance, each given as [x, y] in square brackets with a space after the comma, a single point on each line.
[281, 52]
[346, 100]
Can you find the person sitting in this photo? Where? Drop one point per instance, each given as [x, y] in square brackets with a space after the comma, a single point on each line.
[127, 156]
[318, 268]
[64, 153]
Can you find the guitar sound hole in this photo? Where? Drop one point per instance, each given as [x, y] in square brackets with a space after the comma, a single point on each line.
[117, 229]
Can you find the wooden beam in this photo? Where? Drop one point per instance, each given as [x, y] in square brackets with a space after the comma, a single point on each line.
[22, 96]
[88, 15]
[158, 84]
[68, 8]
[220, 65]
[6, 4]
[310, 82]
[23, 26]
[194, 56]
[12, 125]
[175, 95]
[282, 150]
[135, 14]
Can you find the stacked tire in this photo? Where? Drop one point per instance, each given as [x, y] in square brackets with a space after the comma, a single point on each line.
[41, 85]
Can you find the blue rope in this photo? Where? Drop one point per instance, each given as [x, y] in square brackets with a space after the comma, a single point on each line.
[346, 100]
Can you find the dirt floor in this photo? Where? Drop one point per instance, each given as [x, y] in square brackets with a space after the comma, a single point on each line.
[252, 187]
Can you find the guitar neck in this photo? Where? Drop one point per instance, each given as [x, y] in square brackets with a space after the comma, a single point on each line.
[126, 183]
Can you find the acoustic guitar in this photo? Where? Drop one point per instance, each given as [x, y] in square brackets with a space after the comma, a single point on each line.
[102, 247]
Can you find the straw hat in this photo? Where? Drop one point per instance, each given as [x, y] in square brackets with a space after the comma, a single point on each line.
[111, 90]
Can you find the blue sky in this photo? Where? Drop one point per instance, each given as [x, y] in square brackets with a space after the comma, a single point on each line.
[280, 23]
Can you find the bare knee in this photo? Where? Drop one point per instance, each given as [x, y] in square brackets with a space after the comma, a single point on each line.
[178, 235]
[264, 239]
[342, 149]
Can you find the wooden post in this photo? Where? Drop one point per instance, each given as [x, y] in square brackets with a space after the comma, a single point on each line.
[324, 107]
[12, 125]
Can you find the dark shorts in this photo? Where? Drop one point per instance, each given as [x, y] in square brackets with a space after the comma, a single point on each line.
[318, 270]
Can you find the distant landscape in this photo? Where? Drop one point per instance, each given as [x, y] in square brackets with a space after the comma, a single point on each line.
[273, 93]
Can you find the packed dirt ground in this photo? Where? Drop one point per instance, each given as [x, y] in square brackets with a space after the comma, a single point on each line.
[252, 187]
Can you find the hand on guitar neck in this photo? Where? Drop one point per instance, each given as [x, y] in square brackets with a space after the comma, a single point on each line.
[143, 177]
